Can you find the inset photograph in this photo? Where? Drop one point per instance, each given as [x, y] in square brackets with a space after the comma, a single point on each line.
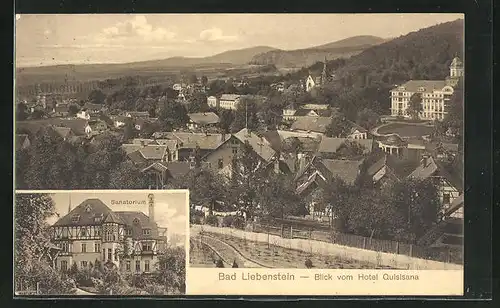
[94, 243]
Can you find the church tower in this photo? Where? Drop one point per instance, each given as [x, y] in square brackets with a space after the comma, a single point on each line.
[324, 77]
[456, 68]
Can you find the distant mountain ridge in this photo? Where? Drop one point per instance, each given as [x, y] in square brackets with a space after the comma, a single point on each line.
[308, 56]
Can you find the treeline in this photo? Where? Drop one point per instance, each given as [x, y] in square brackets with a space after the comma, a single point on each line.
[53, 163]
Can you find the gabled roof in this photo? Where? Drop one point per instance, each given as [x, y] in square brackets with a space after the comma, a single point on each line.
[20, 140]
[330, 144]
[156, 166]
[229, 97]
[177, 168]
[274, 139]
[347, 170]
[92, 106]
[188, 140]
[129, 218]
[315, 106]
[308, 144]
[171, 144]
[137, 113]
[153, 151]
[137, 158]
[455, 205]
[356, 127]
[129, 148]
[63, 131]
[204, 118]
[428, 85]
[426, 169]
[97, 207]
[140, 141]
[259, 144]
[113, 218]
[313, 124]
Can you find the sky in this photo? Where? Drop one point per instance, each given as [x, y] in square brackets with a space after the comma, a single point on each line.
[52, 39]
[171, 207]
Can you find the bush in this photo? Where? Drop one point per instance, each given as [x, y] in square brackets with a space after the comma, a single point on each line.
[239, 222]
[212, 220]
[83, 278]
[227, 221]
[308, 263]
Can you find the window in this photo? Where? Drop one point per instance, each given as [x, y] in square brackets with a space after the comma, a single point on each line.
[64, 265]
[110, 255]
[97, 232]
[446, 198]
[146, 246]
[83, 264]
[146, 231]
[83, 232]
[110, 236]
[146, 265]
[84, 247]
[75, 218]
[127, 266]
[98, 217]
[128, 232]
[97, 247]
[136, 221]
[235, 151]
[220, 163]
[65, 247]
[88, 208]
[137, 266]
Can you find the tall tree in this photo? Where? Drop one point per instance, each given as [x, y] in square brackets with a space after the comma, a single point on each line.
[127, 176]
[367, 118]
[339, 127]
[278, 198]
[415, 105]
[171, 270]
[21, 112]
[335, 197]
[96, 97]
[173, 115]
[226, 119]
[246, 115]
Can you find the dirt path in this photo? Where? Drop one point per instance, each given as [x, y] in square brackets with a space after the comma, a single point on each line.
[228, 252]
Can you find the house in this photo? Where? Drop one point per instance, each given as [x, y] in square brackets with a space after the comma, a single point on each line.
[83, 114]
[65, 132]
[145, 153]
[435, 94]
[311, 124]
[95, 127]
[137, 114]
[449, 184]
[202, 119]
[318, 173]
[316, 80]
[22, 142]
[189, 141]
[316, 106]
[127, 240]
[357, 132]
[229, 101]
[94, 109]
[333, 147]
[140, 123]
[289, 113]
[120, 121]
[385, 169]
[213, 102]
[61, 110]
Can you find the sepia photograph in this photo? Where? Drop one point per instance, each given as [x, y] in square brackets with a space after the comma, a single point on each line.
[306, 141]
[94, 243]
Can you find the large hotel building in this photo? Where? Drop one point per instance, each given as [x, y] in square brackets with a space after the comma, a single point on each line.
[129, 240]
[435, 94]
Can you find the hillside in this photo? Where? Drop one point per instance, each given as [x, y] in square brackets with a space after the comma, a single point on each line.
[304, 57]
[364, 80]
[63, 73]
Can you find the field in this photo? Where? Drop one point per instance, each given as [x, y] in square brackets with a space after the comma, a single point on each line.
[405, 130]
[258, 254]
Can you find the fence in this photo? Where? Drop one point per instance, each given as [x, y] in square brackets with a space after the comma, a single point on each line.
[445, 254]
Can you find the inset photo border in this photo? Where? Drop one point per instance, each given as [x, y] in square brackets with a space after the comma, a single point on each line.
[100, 242]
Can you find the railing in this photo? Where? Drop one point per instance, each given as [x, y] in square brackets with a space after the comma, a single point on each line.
[444, 254]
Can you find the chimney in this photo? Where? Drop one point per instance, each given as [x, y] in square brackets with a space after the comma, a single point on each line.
[151, 207]
[223, 137]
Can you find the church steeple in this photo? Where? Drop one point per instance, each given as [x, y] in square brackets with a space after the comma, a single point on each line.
[323, 74]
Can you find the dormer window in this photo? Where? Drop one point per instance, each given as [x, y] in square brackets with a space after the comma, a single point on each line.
[98, 217]
[401, 88]
[136, 221]
[88, 208]
[75, 218]
[421, 89]
[146, 231]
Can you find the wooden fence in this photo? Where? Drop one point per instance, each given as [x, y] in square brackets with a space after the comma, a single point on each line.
[444, 254]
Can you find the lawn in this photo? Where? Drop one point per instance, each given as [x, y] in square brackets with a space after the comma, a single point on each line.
[273, 256]
[405, 130]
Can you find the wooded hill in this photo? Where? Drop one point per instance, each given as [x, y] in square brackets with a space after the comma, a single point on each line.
[308, 56]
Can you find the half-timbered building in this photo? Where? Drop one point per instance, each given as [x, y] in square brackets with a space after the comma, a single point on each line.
[129, 240]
